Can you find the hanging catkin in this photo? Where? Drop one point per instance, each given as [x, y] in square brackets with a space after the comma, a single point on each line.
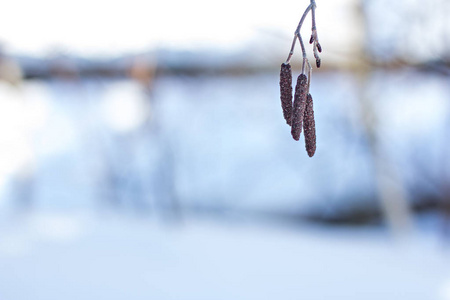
[299, 106]
[309, 127]
[286, 92]
[300, 114]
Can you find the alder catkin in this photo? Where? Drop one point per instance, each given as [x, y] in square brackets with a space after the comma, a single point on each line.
[299, 106]
[286, 92]
[309, 127]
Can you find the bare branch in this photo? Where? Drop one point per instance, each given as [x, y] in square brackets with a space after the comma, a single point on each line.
[297, 32]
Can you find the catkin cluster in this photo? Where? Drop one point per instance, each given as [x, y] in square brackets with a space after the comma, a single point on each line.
[300, 113]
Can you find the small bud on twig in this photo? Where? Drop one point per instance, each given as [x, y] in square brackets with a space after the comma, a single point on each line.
[309, 127]
[299, 106]
[316, 54]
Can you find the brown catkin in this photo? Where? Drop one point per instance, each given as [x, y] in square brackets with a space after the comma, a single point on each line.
[286, 92]
[309, 127]
[299, 106]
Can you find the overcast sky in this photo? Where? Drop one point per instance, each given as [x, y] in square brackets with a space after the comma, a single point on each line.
[110, 27]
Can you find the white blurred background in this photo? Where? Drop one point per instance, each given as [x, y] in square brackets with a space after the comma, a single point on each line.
[144, 155]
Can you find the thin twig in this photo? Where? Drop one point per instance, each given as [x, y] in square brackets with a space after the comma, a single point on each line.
[313, 14]
[305, 57]
[297, 31]
[314, 36]
[292, 49]
[309, 75]
[304, 16]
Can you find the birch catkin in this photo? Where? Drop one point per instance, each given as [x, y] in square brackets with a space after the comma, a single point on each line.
[299, 106]
[286, 92]
[309, 127]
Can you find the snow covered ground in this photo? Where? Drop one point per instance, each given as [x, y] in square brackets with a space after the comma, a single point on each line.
[54, 255]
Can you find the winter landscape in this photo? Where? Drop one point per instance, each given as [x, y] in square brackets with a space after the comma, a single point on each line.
[156, 164]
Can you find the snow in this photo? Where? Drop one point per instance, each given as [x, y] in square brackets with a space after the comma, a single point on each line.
[79, 255]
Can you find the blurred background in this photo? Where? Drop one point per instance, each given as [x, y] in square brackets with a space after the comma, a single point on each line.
[144, 155]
